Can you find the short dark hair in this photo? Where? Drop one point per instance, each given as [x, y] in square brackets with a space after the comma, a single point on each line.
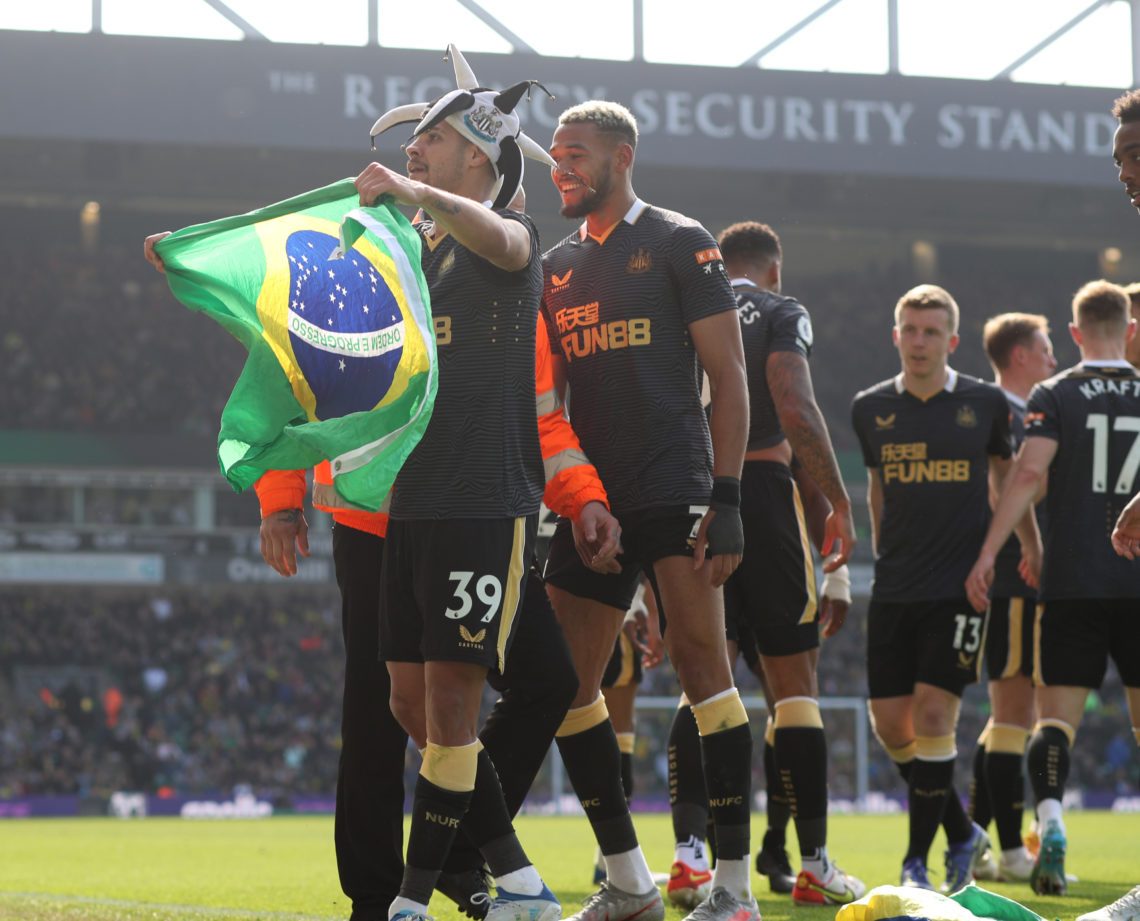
[1133, 292]
[1005, 332]
[608, 117]
[1127, 107]
[750, 241]
[1102, 304]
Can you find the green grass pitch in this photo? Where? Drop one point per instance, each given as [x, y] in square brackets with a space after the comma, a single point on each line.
[283, 868]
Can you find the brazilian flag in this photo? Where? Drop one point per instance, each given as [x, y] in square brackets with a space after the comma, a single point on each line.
[330, 300]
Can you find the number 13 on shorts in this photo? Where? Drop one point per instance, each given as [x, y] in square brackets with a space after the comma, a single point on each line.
[968, 631]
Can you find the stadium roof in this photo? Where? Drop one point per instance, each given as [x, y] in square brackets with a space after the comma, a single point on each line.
[1075, 42]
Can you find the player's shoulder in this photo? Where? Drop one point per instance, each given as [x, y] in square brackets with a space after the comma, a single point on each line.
[967, 383]
[672, 226]
[1062, 379]
[765, 314]
[785, 306]
[655, 215]
[969, 386]
[565, 248]
[883, 392]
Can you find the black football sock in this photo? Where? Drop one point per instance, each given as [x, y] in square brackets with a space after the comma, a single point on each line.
[801, 756]
[727, 757]
[688, 801]
[593, 764]
[436, 814]
[928, 789]
[955, 822]
[488, 823]
[981, 810]
[1048, 762]
[779, 808]
[1007, 794]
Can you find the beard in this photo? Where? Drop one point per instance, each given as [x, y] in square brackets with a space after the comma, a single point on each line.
[590, 201]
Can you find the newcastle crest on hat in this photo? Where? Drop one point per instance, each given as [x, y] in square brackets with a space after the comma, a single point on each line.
[485, 117]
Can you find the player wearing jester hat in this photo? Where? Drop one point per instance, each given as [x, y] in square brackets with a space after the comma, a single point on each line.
[467, 499]
[485, 117]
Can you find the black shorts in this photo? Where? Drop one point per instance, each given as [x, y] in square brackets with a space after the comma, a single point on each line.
[1009, 638]
[1074, 638]
[646, 536]
[935, 642]
[624, 667]
[451, 589]
[772, 592]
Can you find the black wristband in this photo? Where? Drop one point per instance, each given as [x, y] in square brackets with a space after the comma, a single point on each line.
[726, 491]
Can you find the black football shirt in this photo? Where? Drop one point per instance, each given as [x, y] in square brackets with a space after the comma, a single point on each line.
[618, 311]
[933, 458]
[479, 457]
[1092, 411]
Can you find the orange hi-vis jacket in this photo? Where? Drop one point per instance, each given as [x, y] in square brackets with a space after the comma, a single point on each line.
[571, 480]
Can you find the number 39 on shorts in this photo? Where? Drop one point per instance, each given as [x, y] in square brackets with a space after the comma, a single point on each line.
[488, 591]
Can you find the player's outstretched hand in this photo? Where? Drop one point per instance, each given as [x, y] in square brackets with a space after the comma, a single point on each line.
[838, 529]
[148, 250]
[720, 543]
[597, 538]
[978, 583]
[1126, 533]
[644, 633]
[281, 532]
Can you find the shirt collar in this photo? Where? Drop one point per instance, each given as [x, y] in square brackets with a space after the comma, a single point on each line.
[1106, 363]
[631, 217]
[1015, 399]
[951, 381]
[742, 283]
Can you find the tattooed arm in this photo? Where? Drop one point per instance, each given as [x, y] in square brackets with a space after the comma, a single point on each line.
[789, 382]
[502, 242]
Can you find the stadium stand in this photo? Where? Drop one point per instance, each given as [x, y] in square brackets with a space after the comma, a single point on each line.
[138, 362]
[198, 691]
[118, 355]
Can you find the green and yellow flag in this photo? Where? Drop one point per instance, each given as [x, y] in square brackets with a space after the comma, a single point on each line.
[330, 300]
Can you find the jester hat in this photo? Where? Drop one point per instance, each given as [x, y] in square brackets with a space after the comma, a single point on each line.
[483, 116]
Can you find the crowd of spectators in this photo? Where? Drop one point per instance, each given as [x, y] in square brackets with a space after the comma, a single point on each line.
[93, 340]
[188, 692]
[196, 691]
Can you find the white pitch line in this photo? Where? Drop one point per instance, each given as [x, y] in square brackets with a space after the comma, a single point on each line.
[158, 906]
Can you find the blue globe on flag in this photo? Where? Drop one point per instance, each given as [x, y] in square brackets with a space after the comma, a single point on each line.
[345, 326]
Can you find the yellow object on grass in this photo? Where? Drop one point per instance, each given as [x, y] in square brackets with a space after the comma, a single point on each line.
[970, 904]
